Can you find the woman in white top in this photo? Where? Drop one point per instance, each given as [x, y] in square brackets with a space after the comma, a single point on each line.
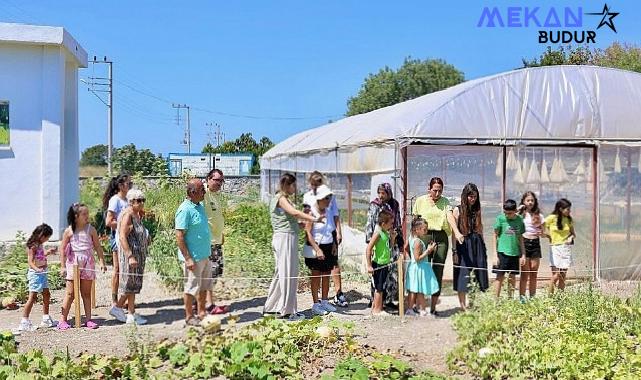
[533, 220]
[114, 200]
[320, 251]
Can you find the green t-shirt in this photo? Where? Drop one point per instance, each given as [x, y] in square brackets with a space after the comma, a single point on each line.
[509, 231]
[382, 254]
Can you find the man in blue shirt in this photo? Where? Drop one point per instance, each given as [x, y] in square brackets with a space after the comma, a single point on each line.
[193, 239]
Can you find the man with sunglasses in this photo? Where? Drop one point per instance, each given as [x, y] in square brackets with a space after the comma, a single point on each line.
[214, 209]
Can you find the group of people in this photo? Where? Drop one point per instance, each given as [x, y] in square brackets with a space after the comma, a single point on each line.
[517, 246]
[199, 234]
[199, 225]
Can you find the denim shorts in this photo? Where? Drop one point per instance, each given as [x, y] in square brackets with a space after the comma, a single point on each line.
[37, 281]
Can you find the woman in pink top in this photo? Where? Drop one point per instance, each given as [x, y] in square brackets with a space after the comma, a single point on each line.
[533, 220]
[79, 241]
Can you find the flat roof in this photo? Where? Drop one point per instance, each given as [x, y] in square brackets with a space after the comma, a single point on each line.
[43, 35]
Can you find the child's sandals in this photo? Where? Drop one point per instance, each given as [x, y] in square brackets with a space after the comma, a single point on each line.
[91, 325]
[62, 326]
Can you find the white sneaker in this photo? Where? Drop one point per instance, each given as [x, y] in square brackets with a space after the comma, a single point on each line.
[118, 313]
[411, 312]
[327, 306]
[26, 325]
[47, 322]
[426, 313]
[140, 320]
[296, 317]
[130, 320]
[318, 309]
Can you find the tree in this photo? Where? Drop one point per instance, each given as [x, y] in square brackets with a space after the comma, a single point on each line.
[94, 155]
[131, 160]
[626, 56]
[244, 143]
[413, 79]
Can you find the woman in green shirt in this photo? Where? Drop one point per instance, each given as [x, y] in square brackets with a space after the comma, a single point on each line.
[436, 210]
[281, 298]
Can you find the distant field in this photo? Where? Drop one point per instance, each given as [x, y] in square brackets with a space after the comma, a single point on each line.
[4, 134]
[93, 171]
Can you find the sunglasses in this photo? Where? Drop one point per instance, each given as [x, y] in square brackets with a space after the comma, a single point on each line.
[141, 200]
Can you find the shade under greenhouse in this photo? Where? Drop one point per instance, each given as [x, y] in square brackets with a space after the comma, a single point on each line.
[560, 131]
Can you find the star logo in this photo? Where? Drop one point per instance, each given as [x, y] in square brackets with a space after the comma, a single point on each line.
[607, 18]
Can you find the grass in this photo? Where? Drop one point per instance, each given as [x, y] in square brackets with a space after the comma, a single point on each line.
[4, 134]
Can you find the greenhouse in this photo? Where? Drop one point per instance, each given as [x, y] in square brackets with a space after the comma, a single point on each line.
[560, 131]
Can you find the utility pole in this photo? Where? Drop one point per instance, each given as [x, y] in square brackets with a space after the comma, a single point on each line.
[187, 140]
[108, 83]
[219, 135]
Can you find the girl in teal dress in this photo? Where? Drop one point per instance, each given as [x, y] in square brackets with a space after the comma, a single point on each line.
[420, 280]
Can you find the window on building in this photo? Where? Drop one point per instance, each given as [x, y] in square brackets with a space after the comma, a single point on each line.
[4, 122]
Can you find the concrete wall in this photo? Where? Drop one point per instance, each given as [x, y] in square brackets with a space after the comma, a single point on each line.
[39, 169]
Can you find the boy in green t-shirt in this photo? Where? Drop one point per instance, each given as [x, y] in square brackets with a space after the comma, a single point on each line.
[379, 255]
[508, 244]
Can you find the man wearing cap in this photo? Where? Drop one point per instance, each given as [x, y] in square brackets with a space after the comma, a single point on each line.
[214, 209]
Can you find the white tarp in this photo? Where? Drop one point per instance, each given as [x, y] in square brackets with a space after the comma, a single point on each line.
[554, 104]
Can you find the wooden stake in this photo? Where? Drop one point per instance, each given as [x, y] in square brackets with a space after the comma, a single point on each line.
[76, 293]
[401, 285]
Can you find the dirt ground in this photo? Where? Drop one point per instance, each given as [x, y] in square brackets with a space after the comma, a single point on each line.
[422, 341]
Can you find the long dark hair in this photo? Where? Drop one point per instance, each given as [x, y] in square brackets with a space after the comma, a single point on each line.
[560, 205]
[535, 207]
[72, 214]
[43, 230]
[466, 210]
[113, 187]
[536, 211]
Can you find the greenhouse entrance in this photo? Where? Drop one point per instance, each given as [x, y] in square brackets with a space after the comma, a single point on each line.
[552, 172]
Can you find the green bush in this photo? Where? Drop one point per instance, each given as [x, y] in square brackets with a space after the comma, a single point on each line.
[576, 334]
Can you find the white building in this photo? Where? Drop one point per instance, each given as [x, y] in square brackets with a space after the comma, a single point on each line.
[199, 164]
[39, 99]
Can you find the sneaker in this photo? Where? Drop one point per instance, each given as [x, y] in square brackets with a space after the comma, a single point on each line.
[47, 322]
[425, 313]
[140, 320]
[118, 313]
[26, 325]
[130, 320]
[192, 322]
[318, 309]
[411, 312]
[296, 317]
[327, 306]
[522, 299]
[340, 300]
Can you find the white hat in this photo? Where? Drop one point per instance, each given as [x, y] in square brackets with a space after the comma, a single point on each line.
[135, 194]
[323, 191]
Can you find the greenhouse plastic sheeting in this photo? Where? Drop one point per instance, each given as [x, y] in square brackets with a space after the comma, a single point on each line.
[554, 104]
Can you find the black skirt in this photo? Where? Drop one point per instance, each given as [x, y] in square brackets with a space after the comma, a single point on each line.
[472, 256]
[328, 263]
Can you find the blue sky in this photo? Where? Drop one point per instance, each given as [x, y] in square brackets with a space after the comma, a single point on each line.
[284, 66]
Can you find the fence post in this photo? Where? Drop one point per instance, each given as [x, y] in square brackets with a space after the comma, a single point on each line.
[401, 286]
[76, 293]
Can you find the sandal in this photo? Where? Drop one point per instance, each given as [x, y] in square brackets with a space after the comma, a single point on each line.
[91, 325]
[192, 322]
[63, 325]
[219, 310]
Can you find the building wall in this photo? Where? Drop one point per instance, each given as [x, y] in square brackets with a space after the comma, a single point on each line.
[39, 169]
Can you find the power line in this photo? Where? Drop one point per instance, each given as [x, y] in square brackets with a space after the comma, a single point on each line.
[187, 140]
[229, 114]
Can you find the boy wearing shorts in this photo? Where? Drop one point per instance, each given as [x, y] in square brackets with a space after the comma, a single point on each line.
[509, 247]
